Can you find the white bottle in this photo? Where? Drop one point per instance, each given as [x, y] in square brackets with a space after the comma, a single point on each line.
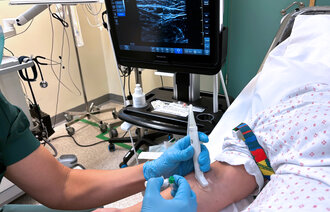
[139, 99]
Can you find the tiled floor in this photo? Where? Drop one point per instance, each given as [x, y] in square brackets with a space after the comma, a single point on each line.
[95, 157]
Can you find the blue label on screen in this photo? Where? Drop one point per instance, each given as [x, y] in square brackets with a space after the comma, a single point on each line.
[178, 51]
[120, 14]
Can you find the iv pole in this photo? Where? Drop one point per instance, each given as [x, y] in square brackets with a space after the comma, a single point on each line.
[89, 110]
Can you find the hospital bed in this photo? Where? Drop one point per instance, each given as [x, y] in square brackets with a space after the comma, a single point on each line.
[295, 58]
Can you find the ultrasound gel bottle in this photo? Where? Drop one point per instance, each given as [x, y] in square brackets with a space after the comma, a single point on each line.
[139, 99]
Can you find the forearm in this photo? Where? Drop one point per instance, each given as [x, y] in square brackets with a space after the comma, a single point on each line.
[227, 184]
[92, 188]
[57, 186]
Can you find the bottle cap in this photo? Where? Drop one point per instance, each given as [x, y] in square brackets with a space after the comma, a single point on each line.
[171, 180]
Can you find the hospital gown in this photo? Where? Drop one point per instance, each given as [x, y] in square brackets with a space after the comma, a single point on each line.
[295, 135]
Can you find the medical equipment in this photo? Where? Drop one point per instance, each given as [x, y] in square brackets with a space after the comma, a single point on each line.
[90, 109]
[172, 37]
[192, 131]
[186, 42]
[166, 183]
[8, 24]
[175, 36]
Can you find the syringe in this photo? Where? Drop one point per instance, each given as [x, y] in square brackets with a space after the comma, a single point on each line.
[194, 139]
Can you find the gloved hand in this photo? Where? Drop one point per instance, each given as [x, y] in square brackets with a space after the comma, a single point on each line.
[178, 159]
[184, 199]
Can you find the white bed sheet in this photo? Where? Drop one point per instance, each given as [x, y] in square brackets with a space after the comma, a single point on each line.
[302, 58]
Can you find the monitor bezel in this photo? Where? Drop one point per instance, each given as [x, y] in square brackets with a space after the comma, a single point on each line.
[198, 64]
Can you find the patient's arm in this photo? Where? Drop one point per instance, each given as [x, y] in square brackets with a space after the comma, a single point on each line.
[227, 184]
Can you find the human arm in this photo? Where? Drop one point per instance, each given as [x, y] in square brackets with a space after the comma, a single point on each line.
[39, 174]
[227, 184]
[56, 186]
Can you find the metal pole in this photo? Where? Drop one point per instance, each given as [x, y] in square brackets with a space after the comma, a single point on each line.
[215, 93]
[224, 88]
[117, 69]
[78, 60]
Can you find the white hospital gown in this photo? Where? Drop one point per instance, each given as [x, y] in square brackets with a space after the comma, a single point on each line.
[295, 135]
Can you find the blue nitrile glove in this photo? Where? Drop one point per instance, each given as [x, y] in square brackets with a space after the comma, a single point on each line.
[184, 199]
[178, 159]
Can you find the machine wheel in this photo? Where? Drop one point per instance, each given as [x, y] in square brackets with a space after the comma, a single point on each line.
[113, 133]
[68, 117]
[114, 114]
[112, 147]
[122, 165]
[70, 131]
[137, 131]
[103, 127]
[95, 109]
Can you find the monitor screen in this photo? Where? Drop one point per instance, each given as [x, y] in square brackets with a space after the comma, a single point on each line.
[168, 35]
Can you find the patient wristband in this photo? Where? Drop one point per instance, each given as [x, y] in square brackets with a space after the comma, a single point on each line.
[244, 132]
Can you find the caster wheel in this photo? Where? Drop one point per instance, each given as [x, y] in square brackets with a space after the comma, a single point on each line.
[68, 117]
[112, 147]
[95, 110]
[70, 131]
[103, 127]
[122, 165]
[114, 114]
[113, 133]
[137, 131]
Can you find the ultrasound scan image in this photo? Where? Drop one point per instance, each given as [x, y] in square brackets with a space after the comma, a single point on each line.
[163, 21]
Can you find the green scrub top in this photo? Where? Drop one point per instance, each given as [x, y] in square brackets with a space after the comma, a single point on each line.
[16, 139]
[17, 142]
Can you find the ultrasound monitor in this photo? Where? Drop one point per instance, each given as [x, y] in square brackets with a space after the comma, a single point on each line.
[170, 35]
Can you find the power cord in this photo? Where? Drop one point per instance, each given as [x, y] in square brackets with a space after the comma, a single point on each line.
[132, 142]
[126, 73]
[129, 97]
[9, 51]
[63, 22]
[105, 25]
[75, 141]
[161, 79]
[60, 57]
[46, 141]
[89, 8]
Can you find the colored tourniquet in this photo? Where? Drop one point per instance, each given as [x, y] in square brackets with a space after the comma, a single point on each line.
[246, 134]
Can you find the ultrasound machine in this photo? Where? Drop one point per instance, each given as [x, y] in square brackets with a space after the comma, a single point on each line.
[179, 36]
